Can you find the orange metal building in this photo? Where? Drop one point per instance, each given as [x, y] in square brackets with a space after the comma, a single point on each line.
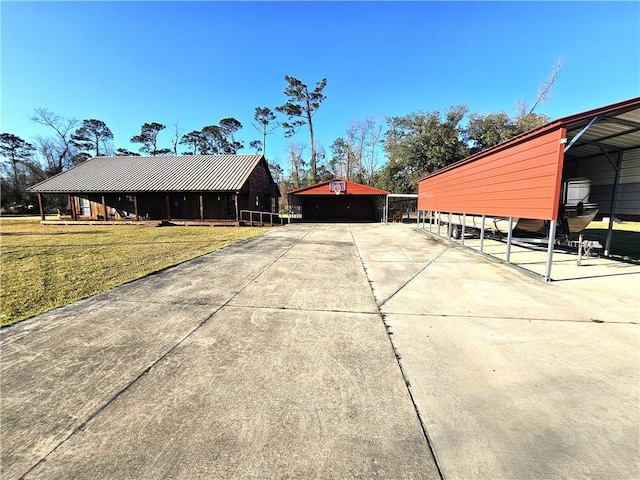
[523, 177]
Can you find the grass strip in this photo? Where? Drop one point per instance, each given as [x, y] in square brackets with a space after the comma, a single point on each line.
[47, 266]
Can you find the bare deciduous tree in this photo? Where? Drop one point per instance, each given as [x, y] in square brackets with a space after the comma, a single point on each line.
[294, 151]
[176, 138]
[265, 124]
[58, 150]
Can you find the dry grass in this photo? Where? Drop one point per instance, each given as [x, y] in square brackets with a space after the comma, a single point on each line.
[46, 266]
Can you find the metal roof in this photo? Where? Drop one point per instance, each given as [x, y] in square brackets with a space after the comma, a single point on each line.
[611, 128]
[171, 173]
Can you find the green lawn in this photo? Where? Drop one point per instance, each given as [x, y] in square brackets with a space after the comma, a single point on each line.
[625, 242]
[46, 266]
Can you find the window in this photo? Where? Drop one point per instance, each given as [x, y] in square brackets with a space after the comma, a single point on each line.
[85, 207]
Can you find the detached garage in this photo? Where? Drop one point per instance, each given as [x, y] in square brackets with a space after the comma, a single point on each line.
[339, 200]
[528, 180]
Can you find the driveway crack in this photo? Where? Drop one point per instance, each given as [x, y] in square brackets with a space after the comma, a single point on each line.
[398, 357]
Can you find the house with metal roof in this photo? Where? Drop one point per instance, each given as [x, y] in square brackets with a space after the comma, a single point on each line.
[185, 187]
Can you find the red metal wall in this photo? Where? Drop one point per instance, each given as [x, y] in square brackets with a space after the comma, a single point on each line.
[353, 188]
[521, 180]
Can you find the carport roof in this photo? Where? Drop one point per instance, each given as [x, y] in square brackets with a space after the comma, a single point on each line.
[170, 173]
[612, 128]
[353, 188]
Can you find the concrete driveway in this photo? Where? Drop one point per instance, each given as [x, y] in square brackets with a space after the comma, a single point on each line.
[329, 351]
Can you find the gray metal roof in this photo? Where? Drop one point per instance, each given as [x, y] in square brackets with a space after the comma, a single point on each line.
[610, 131]
[181, 173]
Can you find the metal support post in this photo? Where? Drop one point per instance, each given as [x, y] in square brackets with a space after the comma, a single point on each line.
[614, 200]
[449, 226]
[464, 223]
[509, 237]
[386, 210]
[552, 238]
[580, 249]
[482, 236]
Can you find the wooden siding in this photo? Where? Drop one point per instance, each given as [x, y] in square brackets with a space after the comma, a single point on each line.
[520, 181]
[258, 185]
[153, 206]
[602, 176]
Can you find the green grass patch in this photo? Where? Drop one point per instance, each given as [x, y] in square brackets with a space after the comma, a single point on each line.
[625, 241]
[46, 266]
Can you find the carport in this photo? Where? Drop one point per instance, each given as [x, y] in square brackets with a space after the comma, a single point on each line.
[339, 200]
[523, 178]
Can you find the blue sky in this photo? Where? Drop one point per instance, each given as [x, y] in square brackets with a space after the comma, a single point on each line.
[194, 63]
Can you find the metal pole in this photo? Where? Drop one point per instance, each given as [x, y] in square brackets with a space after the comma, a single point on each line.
[386, 210]
[509, 236]
[614, 200]
[449, 226]
[482, 236]
[418, 215]
[580, 249]
[464, 223]
[552, 237]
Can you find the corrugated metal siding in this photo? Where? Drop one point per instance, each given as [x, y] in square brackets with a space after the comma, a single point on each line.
[520, 181]
[602, 175]
[181, 173]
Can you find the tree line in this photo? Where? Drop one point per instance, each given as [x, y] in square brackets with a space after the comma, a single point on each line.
[390, 153]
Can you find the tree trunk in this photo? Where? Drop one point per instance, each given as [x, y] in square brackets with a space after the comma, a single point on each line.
[313, 147]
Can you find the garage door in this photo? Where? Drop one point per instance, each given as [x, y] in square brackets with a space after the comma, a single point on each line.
[334, 207]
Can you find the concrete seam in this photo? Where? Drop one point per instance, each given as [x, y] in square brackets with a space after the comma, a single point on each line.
[402, 372]
[117, 395]
[146, 370]
[519, 319]
[298, 309]
[414, 276]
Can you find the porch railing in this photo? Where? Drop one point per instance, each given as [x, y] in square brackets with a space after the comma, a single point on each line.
[253, 217]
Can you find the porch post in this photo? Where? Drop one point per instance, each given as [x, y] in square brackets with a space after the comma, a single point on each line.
[135, 208]
[72, 205]
[201, 209]
[168, 205]
[40, 206]
[235, 201]
[104, 209]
